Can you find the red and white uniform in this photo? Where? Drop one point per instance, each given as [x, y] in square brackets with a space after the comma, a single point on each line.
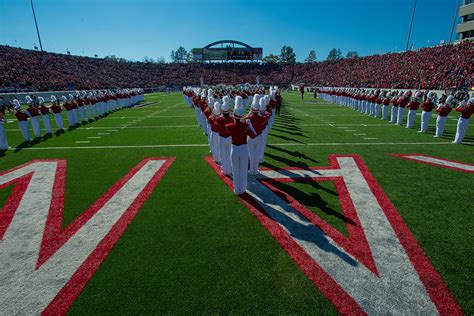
[443, 111]
[463, 121]
[23, 124]
[34, 115]
[44, 110]
[56, 109]
[413, 107]
[427, 108]
[239, 131]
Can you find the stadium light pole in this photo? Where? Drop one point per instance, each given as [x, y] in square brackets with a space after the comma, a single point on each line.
[411, 24]
[36, 24]
[454, 21]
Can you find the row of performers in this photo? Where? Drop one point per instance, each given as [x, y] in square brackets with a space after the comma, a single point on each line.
[80, 107]
[237, 137]
[377, 103]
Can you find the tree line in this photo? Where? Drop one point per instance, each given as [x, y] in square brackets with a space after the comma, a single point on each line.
[287, 55]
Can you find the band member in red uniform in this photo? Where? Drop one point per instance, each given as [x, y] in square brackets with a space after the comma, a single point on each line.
[68, 107]
[214, 131]
[386, 104]
[3, 134]
[413, 107]
[239, 129]
[80, 106]
[44, 111]
[443, 110]
[255, 142]
[395, 101]
[56, 109]
[463, 122]
[427, 108]
[402, 103]
[33, 112]
[225, 141]
[22, 118]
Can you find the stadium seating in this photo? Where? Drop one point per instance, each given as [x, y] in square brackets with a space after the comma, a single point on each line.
[440, 67]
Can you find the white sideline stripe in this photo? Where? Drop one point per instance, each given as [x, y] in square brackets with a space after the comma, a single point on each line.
[441, 162]
[361, 134]
[370, 138]
[82, 141]
[103, 133]
[207, 145]
[112, 130]
[94, 137]
[350, 130]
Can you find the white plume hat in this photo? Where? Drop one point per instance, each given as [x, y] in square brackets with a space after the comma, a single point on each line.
[40, 100]
[226, 103]
[17, 104]
[256, 102]
[239, 106]
[28, 99]
[63, 98]
[217, 108]
[450, 100]
[52, 98]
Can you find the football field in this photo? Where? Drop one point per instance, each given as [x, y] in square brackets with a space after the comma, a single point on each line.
[192, 246]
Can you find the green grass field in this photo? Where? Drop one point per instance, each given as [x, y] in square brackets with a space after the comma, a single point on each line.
[195, 248]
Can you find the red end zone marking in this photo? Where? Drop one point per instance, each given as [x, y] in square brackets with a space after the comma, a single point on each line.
[54, 237]
[435, 286]
[438, 162]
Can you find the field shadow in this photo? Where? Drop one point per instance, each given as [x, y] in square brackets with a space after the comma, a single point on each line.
[298, 229]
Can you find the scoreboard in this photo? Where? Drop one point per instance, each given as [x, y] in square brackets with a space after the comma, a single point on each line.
[227, 53]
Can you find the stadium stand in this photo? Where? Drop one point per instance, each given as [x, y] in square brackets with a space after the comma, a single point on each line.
[439, 67]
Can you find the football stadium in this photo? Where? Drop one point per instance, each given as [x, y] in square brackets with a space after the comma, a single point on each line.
[238, 176]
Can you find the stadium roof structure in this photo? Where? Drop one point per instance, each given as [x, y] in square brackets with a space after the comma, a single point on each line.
[227, 50]
[228, 42]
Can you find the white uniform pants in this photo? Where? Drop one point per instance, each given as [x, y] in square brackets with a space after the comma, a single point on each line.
[59, 120]
[440, 121]
[75, 116]
[240, 163]
[463, 123]
[35, 124]
[214, 142]
[411, 118]
[24, 129]
[3, 137]
[393, 114]
[378, 107]
[88, 111]
[425, 119]
[255, 150]
[384, 112]
[401, 113]
[70, 118]
[47, 123]
[224, 152]
[82, 114]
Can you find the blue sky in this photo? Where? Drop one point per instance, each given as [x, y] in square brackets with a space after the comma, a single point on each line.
[136, 28]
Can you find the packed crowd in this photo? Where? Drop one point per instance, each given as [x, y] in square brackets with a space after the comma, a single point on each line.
[382, 103]
[440, 67]
[237, 137]
[80, 107]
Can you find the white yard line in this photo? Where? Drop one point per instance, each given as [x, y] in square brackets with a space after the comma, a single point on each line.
[207, 145]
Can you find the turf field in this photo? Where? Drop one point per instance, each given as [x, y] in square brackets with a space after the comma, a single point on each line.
[195, 248]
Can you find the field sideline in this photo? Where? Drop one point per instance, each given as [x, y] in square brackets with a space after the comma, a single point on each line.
[195, 248]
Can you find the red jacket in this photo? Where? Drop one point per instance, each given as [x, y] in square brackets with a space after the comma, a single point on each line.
[239, 131]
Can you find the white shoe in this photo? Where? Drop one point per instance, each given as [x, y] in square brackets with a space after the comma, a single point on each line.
[436, 136]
